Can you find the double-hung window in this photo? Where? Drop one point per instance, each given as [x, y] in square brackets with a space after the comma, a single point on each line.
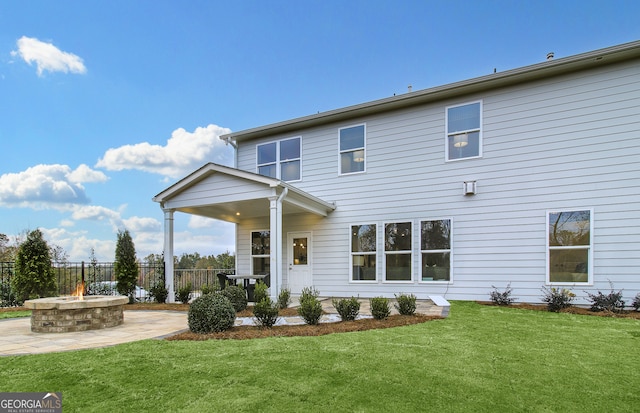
[397, 251]
[363, 252]
[569, 240]
[464, 131]
[435, 247]
[352, 149]
[280, 159]
[260, 252]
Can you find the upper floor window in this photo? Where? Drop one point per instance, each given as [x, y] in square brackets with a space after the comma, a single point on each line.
[435, 248]
[569, 246]
[280, 159]
[352, 150]
[464, 131]
[363, 252]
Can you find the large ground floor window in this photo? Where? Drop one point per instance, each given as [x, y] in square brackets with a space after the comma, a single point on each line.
[363, 252]
[569, 241]
[397, 252]
[260, 252]
[435, 249]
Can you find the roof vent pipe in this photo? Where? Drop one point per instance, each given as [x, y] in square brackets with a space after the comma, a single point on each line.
[409, 88]
[550, 56]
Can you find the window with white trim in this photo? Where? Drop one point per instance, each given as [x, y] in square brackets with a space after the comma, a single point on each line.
[260, 252]
[397, 251]
[280, 159]
[352, 149]
[464, 131]
[363, 252]
[435, 250]
[569, 240]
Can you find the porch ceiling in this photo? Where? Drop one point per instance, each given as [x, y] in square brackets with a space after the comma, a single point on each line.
[212, 191]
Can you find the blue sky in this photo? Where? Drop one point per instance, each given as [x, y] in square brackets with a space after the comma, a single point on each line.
[103, 104]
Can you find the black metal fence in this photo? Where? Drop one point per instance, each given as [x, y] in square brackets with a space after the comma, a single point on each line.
[71, 274]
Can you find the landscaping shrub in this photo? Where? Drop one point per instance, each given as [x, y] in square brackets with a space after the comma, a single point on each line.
[636, 302]
[284, 298]
[259, 291]
[211, 313]
[502, 298]
[159, 292]
[184, 293]
[606, 302]
[557, 298]
[310, 307]
[126, 265]
[266, 312]
[209, 289]
[406, 304]
[7, 296]
[237, 296]
[34, 276]
[380, 308]
[348, 308]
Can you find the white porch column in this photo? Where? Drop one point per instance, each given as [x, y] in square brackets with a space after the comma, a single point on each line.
[168, 253]
[275, 256]
[275, 239]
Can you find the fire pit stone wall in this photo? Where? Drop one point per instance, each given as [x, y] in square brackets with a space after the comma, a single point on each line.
[69, 314]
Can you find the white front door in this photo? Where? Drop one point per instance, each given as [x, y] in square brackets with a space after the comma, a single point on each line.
[299, 260]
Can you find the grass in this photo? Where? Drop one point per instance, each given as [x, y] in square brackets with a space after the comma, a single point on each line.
[14, 314]
[480, 359]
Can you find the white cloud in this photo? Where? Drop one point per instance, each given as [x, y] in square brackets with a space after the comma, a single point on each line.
[47, 186]
[183, 153]
[142, 224]
[48, 57]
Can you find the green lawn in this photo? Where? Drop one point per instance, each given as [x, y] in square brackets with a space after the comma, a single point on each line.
[14, 314]
[479, 359]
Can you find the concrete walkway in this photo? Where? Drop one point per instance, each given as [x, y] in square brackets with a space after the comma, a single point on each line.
[16, 337]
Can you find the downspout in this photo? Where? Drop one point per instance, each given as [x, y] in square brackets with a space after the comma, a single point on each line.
[234, 145]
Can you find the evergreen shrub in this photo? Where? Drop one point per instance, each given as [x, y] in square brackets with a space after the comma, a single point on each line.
[184, 293]
[266, 312]
[380, 308]
[406, 304]
[284, 298]
[211, 313]
[310, 307]
[259, 291]
[237, 296]
[347, 308]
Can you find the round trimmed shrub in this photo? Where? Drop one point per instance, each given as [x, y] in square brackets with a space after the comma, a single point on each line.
[237, 296]
[211, 313]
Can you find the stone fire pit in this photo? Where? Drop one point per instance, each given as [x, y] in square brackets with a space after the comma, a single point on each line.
[69, 313]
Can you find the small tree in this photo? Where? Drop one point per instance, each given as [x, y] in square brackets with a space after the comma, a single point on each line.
[125, 266]
[34, 276]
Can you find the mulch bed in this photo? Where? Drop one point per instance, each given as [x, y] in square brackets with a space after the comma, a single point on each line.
[571, 310]
[305, 330]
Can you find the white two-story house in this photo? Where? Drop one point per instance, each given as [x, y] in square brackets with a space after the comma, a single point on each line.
[529, 177]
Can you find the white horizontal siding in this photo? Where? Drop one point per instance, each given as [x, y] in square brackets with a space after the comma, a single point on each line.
[565, 142]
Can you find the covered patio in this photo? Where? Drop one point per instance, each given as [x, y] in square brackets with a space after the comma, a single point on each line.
[232, 195]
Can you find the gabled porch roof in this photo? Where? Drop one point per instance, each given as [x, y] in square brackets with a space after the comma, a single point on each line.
[231, 195]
